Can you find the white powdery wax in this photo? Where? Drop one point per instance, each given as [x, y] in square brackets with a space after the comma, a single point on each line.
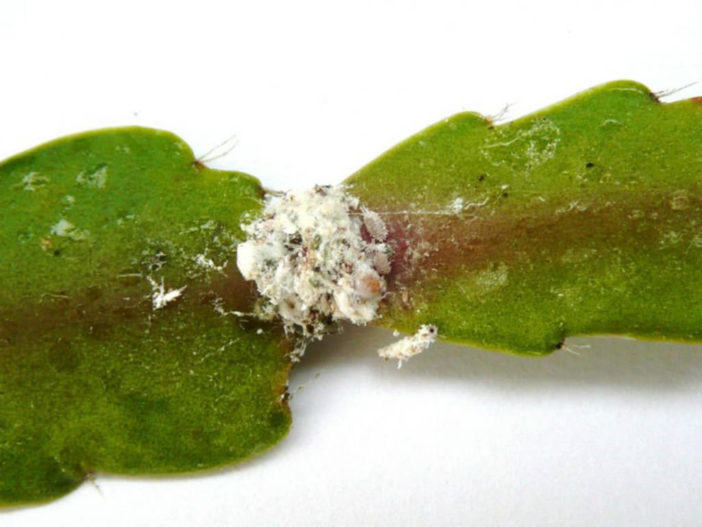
[408, 347]
[311, 263]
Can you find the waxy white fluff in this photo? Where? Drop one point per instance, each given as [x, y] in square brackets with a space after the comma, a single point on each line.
[408, 347]
[311, 263]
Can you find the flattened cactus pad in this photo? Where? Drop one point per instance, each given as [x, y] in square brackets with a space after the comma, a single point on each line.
[117, 349]
[583, 218]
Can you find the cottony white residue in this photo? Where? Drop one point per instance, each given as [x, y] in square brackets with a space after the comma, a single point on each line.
[96, 178]
[457, 205]
[159, 296]
[207, 263]
[66, 229]
[311, 263]
[62, 227]
[408, 347]
[32, 181]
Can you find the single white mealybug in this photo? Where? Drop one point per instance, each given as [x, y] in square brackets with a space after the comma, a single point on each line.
[408, 347]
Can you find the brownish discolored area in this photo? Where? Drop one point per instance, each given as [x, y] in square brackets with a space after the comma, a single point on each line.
[100, 314]
[452, 245]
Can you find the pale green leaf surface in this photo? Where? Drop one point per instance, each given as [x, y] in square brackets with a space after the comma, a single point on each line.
[583, 218]
[92, 378]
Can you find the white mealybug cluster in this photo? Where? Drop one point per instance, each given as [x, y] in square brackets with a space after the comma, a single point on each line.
[408, 347]
[317, 258]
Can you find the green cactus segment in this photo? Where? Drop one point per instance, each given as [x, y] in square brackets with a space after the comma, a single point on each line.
[584, 218]
[97, 373]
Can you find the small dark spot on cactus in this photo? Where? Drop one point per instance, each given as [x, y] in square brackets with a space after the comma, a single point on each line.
[9, 330]
[197, 434]
[100, 331]
[93, 293]
[63, 357]
[278, 418]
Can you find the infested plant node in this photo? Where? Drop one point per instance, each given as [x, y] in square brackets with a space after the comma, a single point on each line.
[318, 258]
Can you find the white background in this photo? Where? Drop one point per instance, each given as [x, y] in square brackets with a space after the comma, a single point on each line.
[603, 435]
